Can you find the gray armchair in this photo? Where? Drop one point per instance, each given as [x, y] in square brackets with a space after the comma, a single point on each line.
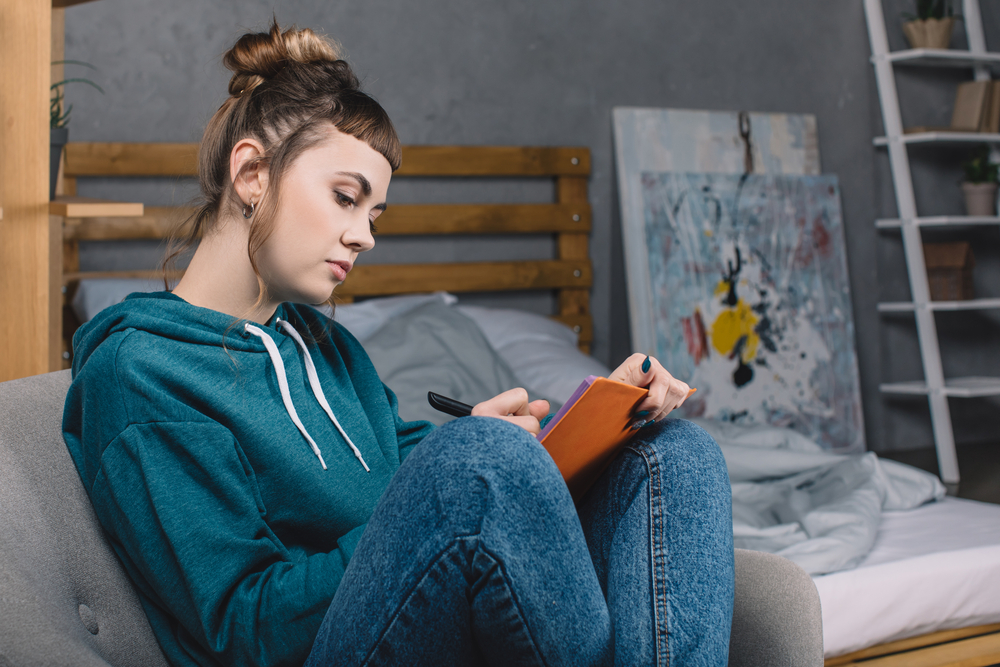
[67, 601]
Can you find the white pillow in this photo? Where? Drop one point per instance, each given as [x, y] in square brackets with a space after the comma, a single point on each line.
[505, 326]
[541, 351]
[95, 294]
[365, 318]
[436, 348]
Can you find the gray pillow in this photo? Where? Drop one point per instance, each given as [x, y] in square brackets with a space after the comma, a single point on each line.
[436, 348]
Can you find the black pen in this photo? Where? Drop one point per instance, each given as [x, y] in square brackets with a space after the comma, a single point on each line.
[448, 405]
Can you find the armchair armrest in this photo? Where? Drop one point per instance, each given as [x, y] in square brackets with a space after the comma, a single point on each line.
[776, 614]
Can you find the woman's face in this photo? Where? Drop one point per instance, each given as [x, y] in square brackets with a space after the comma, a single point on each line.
[330, 196]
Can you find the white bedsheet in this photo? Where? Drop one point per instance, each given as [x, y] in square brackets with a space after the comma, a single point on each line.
[818, 509]
[933, 568]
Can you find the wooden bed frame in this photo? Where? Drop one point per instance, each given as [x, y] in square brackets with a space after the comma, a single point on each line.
[568, 219]
[977, 646]
[569, 274]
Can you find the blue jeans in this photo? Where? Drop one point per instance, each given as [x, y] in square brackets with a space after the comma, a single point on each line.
[476, 555]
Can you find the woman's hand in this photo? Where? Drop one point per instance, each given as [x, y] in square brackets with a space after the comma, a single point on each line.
[665, 391]
[513, 406]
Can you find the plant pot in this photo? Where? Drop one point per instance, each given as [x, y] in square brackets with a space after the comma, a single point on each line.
[929, 33]
[58, 136]
[980, 198]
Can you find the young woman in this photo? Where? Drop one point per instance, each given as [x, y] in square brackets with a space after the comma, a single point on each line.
[266, 499]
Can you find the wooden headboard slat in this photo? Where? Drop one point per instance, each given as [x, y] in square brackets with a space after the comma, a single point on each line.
[166, 159]
[130, 159]
[156, 223]
[418, 219]
[383, 279]
[398, 220]
[466, 277]
[493, 161]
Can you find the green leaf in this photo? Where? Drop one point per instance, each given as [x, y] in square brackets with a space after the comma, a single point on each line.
[57, 117]
[73, 62]
[979, 169]
[76, 80]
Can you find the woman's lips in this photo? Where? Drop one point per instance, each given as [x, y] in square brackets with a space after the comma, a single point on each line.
[339, 269]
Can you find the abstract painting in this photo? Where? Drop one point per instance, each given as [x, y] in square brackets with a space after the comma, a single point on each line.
[750, 301]
[693, 141]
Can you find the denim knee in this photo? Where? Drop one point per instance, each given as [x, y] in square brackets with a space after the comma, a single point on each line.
[688, 448]
[479, 461]
[476, 442]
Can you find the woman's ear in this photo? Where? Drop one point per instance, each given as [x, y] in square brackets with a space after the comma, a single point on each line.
[248, 171]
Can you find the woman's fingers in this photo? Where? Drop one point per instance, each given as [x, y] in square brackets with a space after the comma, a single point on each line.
[631, 371]
[666, 393]
[510, 402]
[513, 406]
[539, 409]
[670, 395]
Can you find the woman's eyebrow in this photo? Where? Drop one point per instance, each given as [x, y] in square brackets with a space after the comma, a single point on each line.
[366, 187]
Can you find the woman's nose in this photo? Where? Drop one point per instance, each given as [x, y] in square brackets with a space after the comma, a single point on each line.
[359, 235]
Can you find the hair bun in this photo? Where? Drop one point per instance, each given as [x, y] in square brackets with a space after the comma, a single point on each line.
[257, 57]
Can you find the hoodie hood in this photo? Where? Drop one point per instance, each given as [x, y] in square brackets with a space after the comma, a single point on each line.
[165, 314]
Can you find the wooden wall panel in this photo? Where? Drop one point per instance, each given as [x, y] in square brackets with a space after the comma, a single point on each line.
[25, 251]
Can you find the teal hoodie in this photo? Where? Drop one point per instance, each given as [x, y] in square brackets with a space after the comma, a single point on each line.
[222, 513]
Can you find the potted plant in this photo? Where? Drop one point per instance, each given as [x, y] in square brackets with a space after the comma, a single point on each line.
[58, 119]
[931, 26]
[980, 185]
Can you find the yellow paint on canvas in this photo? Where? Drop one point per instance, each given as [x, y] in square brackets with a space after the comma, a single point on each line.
[733, 324]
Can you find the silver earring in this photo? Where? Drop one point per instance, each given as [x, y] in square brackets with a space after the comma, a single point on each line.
[248, 212]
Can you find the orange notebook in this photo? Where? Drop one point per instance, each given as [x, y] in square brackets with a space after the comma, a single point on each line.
[588, 430]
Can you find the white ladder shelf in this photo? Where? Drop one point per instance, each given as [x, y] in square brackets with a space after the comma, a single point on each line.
[935, 386]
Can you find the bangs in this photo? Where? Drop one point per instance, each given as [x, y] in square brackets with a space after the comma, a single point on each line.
[363, 118]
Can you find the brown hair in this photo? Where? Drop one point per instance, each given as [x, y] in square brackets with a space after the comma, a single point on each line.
[286, 89]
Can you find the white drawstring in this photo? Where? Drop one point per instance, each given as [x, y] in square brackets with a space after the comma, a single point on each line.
[286, 397]
[318, 389]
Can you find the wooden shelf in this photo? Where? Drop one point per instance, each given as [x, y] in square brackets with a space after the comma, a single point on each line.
[86, 207]
[939, 221]
[969, 304]
[942, 137]
[942, 58]
[967, 387]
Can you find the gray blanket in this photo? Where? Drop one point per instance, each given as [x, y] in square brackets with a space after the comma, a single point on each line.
[433, 347]
[818, 509]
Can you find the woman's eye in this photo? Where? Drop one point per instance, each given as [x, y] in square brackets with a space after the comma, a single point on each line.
[371, 224]
[344, 200]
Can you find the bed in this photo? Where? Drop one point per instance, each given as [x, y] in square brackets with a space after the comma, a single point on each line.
[928, 593]
[911, 601]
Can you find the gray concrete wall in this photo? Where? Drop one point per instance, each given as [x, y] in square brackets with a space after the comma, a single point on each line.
[549, 73]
